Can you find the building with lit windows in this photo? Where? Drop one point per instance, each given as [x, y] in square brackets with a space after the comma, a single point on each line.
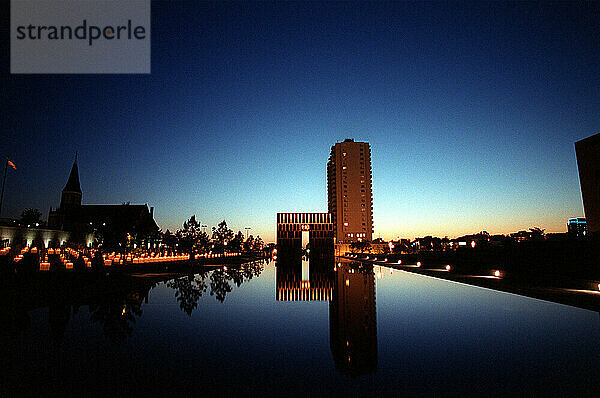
[577, 227]
[350, 199]
[314, 229]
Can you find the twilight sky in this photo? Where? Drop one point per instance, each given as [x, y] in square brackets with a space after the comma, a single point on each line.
[471, 110]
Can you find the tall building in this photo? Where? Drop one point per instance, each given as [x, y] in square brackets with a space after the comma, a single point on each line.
[350, 200]
[577, 227]
[588, 163]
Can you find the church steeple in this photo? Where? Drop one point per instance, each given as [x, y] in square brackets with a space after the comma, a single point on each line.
[73, 182]
[71, 194]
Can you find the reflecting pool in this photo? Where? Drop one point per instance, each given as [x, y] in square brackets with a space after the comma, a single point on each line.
[293, 328]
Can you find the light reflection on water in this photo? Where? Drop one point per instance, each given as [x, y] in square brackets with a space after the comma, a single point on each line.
[302, 328]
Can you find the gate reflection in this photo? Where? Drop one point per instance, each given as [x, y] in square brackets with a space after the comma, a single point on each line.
[349, 288]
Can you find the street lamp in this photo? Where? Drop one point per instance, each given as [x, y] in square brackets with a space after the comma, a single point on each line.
[247, 229]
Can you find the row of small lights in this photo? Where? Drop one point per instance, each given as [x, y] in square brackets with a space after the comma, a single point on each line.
[496, 273]
[108, 259]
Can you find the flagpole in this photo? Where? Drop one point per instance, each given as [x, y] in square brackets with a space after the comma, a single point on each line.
[3, 184]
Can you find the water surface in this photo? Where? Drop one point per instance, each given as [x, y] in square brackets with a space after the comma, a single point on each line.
[329, 329]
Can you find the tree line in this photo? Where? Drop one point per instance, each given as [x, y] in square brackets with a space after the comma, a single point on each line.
[193, 238]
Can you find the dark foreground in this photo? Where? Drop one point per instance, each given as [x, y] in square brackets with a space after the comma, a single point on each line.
[291, 329]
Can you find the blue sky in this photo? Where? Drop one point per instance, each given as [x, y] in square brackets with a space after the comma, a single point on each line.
[471, 111]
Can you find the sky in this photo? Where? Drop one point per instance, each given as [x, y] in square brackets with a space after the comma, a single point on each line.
[471, 110]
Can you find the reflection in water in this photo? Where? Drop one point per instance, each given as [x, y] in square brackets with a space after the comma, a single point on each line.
[114, 302]
[464, 341]
[189, 288]
[118, 313]
[14, 320]
[58, 317]
[352, 320]
[350, 290]
[293, 284]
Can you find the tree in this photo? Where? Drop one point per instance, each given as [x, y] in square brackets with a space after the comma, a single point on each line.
[169, 239]
[219, 284]
[360, 246]
[236, 243]
[249, 243]
[191, 238]
[30, 216]
[202, 244]
[258, 244]
[222, 235]
[188, 290]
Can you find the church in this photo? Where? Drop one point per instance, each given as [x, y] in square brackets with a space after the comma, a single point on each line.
[111, 224]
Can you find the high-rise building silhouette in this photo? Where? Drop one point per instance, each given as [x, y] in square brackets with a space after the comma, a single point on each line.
[588, 163]
[349, 191]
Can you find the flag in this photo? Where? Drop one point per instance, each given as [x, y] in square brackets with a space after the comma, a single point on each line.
[11, 164]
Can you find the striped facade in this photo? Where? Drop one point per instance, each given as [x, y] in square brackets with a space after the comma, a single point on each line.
[291, 225]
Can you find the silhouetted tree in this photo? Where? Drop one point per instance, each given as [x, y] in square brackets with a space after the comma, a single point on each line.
[236, 275]
[360, 246]
[219, 286]
[30, 216]
[236, 243]
[117, 315]
[169, 239]
[258, 244]
[249, 243]
[188, 291]
[222, 235]
[191, 238]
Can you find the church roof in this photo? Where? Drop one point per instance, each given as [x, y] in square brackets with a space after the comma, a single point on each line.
[119, 217]
[73, 182]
